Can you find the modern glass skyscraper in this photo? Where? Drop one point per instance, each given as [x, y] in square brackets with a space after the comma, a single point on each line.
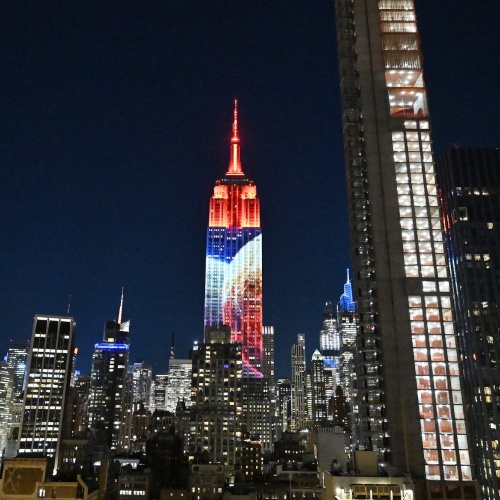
[233, 282]
[298, 399]
[410, 404]
[469, 182]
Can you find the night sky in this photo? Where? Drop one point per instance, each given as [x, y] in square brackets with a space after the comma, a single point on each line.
[115, 120]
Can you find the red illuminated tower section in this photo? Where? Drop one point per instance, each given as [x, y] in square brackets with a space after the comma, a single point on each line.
[233, 282]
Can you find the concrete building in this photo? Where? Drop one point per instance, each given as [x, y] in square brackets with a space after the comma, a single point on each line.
[409, 394]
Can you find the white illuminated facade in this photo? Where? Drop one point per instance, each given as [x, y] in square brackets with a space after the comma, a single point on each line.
[407, 370]
[178, 387]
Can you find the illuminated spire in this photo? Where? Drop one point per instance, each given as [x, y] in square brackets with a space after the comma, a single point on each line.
[234, 162]
[120, 310]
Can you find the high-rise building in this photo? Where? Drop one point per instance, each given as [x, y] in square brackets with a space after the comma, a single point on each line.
[6, 394]
[409, 389]
[217, 401]
[108, 407]
[178, 387]
[298, 389]
[268, 353]
[17, 359]
[329, 347]
[47, 386]
[284, 405]
[142, 379]
[160, 392]
[347, 325]
[319, 403]
[469, 181]
[233, 282]
[270, 386]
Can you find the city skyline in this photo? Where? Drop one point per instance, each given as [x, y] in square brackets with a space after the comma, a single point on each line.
[114, 129]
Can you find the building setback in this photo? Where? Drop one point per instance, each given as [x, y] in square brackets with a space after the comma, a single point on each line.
[469, 181]
[409, 393]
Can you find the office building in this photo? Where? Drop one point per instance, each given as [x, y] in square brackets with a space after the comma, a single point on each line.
[284, 406]
[178, 387]
[217, 401]
[47, 387]
[110, 387]
[347, 325]
[329, 346]
[469, 180]
[233, 282]
[142, 379]
[6, 392]
[298, 388]
[269, 375]
[319, 402]
[160, 392]
[410, 407]
[17, 359]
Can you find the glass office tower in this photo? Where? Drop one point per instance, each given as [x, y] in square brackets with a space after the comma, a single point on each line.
[409, 392]
[469, 181]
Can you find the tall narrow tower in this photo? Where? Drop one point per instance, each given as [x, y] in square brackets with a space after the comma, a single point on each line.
[233, 282]
[410, 405]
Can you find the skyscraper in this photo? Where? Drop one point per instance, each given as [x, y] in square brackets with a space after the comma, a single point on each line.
[298, 389]
[217, 402]
[233, 282]
[108, 387]
[469, 181]
[47, 386]
[17, 359]
[347, 325]
[142, 380]
[409, 390]
[319, 402]
[329, 346]
[178, 387]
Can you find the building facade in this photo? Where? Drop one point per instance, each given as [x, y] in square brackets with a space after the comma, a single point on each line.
[329, 346]
[409, 393]
[178, 387]
[319, 404]
[298, 387]
[233, 282]
[469, 181]
[217, 400]
[47, 387]
[111, 389]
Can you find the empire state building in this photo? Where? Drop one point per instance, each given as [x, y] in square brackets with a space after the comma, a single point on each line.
[233, 282]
